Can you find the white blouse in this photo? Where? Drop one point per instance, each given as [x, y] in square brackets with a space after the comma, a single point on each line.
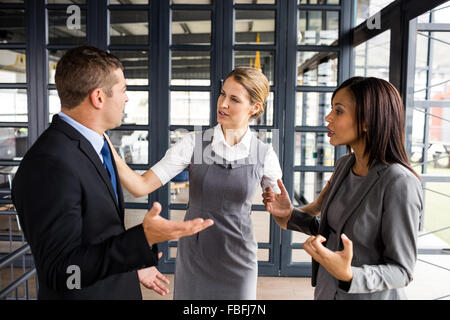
[178, 157]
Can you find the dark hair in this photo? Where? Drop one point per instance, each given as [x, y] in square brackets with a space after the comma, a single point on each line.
[379, 109]
[83, 69]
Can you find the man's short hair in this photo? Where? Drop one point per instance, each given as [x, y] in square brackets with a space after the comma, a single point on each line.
[83, 69]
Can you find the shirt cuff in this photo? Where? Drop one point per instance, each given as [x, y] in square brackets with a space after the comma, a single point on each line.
[344, 285]
[357, 281]
[296, 220]
[160, 173]
[275, 188]
[266, 182]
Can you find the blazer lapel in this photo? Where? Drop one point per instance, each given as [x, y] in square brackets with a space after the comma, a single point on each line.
[119, 191]
[89, 151]
[371, 179]
[86, 147]
[338, 177]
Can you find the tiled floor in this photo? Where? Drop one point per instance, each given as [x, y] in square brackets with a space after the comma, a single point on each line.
[429, 283]
[431, 280]
[431, 276]
[269, 288]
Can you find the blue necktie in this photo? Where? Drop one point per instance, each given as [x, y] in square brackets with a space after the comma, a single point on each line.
[107, 163]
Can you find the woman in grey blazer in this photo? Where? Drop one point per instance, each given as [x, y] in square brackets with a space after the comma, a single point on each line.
[363, 244]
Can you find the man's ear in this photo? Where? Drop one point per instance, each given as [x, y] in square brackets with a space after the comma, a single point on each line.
[96, 98]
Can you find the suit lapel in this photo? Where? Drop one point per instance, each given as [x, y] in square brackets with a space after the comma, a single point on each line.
[89, 151]
[371, 179]
[339, 176]
[119, 191]
[86, 147]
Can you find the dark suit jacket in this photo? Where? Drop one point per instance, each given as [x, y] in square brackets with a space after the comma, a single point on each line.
[69, 215]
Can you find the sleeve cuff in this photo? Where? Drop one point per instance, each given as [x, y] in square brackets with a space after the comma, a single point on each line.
[344, 286]
[356, 284]
[291, 222]
[302, 222]
[145, 255]
[267, 182]
[160, 173]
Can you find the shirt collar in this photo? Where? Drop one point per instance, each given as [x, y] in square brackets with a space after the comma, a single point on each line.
[219, 138]
[97, 140]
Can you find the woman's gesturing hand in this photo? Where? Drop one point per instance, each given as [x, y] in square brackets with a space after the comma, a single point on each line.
[279, 205]
[337, 263]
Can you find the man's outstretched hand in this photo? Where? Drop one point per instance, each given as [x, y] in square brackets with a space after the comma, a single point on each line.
[158, 229]
[152, 279]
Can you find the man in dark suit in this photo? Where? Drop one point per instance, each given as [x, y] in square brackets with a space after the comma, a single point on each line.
[68, 195]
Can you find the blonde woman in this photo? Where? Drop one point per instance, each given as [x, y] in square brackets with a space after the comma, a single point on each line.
[225, 165]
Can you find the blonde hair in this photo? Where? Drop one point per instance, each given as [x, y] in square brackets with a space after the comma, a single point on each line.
[256, 84]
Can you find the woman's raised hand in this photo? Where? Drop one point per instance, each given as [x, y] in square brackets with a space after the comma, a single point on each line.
[279, 205]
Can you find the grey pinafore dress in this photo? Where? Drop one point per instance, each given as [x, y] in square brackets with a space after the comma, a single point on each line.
[220, 262]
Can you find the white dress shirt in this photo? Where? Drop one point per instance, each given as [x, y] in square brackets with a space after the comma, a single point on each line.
[97, 140]
[178, 157]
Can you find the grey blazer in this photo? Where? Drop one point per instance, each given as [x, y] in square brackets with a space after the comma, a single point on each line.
[382, 223]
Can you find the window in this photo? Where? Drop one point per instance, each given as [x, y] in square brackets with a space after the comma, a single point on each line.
[430, 125]
[372, 57]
